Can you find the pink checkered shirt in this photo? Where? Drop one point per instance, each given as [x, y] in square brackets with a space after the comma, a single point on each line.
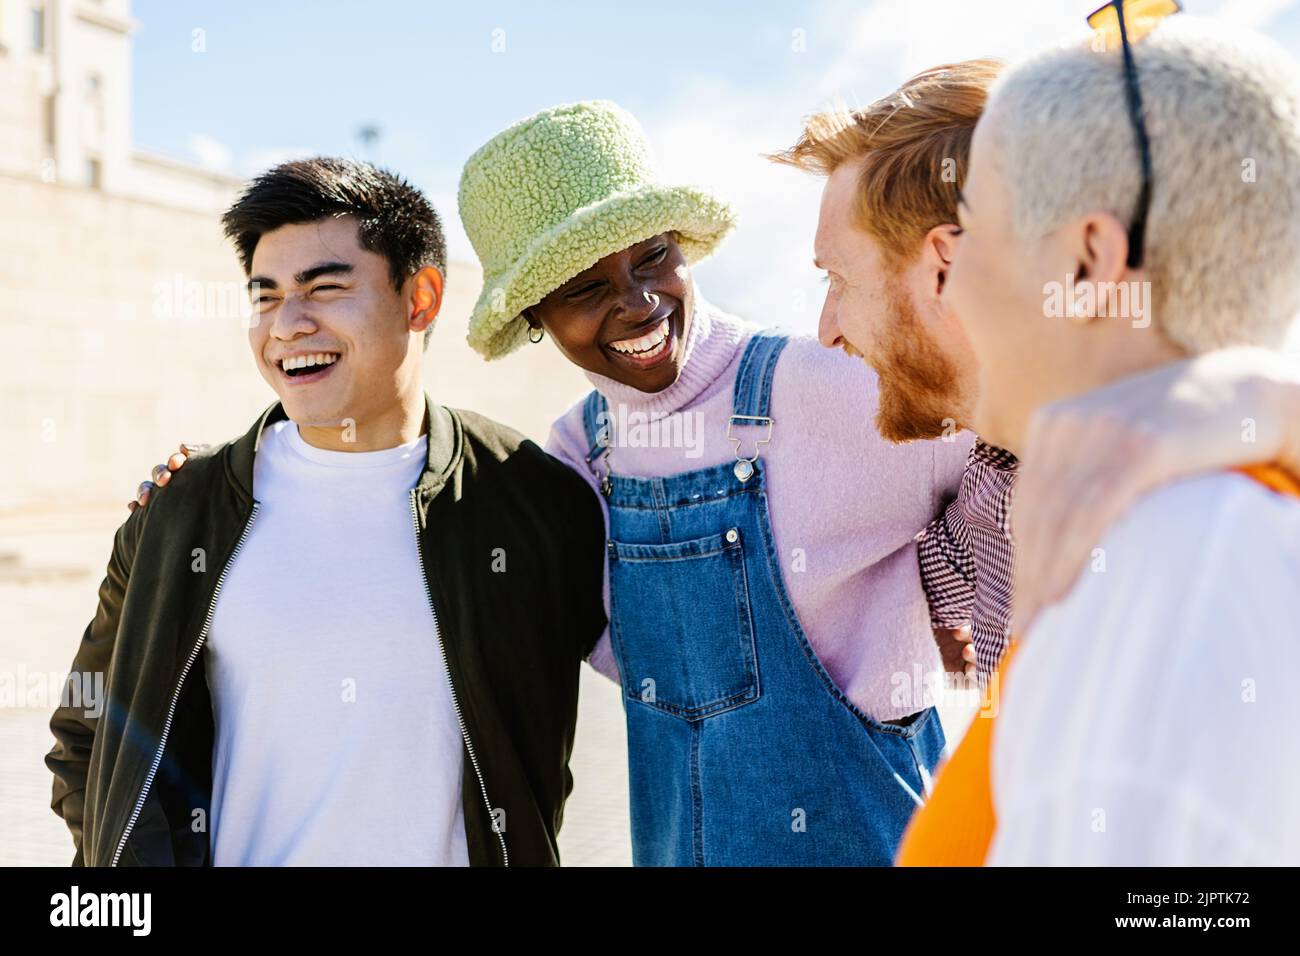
[967, 557]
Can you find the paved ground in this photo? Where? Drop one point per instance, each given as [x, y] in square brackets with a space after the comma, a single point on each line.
[50, 567]
[595, 831]
[30, 835]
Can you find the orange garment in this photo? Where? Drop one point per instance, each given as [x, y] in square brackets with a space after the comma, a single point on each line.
[956, 825]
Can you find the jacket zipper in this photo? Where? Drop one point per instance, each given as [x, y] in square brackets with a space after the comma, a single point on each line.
[455, 699]
[171, 710]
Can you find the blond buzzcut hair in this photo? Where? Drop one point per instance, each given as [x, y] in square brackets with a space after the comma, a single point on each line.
[914, 145]
[1222, 112]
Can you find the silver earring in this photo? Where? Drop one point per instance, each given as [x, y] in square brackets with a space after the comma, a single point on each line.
[540, 332]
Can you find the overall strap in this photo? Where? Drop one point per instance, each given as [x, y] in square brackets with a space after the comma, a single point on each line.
[754, 378]
[597, 433]
[752, 396]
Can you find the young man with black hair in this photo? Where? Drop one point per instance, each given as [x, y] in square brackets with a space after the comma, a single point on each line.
[352, 635]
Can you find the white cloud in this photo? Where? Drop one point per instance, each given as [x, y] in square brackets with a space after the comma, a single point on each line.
[901, 39]
[210, 153]
[1254, 13]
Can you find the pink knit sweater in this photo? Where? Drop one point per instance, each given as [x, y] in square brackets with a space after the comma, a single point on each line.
[845, 504]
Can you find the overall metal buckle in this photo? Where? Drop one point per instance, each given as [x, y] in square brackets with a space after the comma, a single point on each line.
[744, 467]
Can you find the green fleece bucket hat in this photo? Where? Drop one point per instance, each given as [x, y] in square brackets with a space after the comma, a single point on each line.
[552, 195]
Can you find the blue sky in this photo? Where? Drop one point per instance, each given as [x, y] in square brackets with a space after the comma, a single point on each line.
[715, 83]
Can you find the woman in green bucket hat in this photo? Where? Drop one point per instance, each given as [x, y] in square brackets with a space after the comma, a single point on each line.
[763, 585]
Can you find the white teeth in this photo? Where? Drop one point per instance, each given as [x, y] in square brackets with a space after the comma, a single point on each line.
[302, 361]
[646, 344]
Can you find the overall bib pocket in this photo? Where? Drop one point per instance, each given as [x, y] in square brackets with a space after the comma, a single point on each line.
[681, 625]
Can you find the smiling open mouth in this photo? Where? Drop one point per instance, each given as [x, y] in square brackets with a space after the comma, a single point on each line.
[645, 349]
[301, 366]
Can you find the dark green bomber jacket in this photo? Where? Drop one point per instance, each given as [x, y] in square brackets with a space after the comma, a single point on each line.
[131, 782]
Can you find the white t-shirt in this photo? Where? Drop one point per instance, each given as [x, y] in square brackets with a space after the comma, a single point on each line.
[1152, 718]
[337, 742]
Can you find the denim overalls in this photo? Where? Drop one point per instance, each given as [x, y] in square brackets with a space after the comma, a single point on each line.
[741, 750]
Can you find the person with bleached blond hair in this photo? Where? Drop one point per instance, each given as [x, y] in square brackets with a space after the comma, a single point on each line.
[1150, 717]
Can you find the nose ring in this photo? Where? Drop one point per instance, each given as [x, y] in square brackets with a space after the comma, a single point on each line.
[652, 299]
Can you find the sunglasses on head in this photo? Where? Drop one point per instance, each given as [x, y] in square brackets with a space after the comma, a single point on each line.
[1131, 20]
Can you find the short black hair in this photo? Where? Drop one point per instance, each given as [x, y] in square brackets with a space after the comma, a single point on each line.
[394, 218]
